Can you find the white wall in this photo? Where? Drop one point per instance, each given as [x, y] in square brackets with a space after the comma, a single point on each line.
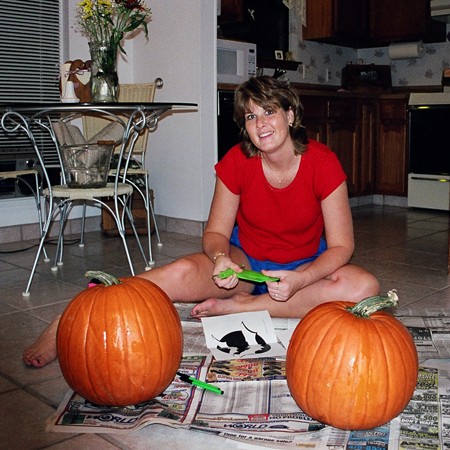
[182, 151]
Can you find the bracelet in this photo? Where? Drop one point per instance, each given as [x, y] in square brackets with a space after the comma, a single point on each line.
[218, 254]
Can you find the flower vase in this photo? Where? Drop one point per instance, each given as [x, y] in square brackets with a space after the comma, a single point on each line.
[104, 80]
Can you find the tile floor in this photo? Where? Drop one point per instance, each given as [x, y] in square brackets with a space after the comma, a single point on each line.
[406, 249]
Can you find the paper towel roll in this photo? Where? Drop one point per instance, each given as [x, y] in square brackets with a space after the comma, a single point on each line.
[407, 50]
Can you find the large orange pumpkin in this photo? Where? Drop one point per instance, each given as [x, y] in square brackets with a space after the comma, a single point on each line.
[119, 344]
[352, 366]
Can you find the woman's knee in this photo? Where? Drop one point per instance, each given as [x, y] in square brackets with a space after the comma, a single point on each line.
[358, 283]
[172, 273]
[368, 285]
[181, 269]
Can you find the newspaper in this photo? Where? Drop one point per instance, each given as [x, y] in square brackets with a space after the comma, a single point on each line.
[257, 406]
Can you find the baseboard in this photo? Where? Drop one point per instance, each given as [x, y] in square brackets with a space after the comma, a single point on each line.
[379, 200]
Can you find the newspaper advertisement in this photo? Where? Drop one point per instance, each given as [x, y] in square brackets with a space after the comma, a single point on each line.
[257, 406]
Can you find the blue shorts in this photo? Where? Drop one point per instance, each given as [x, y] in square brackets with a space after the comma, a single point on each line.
[257, 265]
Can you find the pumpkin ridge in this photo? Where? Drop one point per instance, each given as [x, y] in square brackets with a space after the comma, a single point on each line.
[159, 302]
[155, 342]
[390, 403]
[93, 342]
[143, 326]
[381, 357]
[125, 336]
[406, 357]
[315, 364]
[296, 347]
[63, 342]
[176, 340]
[82, 340]
[350, 327]
[85, 335]
[139, 381]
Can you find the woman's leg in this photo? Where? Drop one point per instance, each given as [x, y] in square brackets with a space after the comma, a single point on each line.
[188, 279]
[43, 350]
[350, 282]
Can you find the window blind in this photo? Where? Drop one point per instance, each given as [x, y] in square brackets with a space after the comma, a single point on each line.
[29, 68]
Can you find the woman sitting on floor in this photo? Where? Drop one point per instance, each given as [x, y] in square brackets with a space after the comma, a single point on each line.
[280, 206]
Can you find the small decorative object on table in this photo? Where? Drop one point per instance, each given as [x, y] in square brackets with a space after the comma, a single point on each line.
[105, 23]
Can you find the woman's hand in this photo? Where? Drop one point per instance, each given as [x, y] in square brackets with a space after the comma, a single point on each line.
[284, 289]
[223, 262]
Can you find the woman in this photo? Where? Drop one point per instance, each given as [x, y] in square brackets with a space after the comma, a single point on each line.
[280, 207]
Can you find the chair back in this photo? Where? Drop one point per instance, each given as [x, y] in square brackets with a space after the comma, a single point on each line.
[128, 93]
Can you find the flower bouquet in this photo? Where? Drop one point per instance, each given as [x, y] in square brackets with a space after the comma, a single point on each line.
[105, 23]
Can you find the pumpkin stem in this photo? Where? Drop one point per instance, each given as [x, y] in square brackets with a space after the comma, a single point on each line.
[104, 278]
[369, 305]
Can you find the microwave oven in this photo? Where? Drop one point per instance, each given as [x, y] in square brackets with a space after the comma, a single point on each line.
[236, 61]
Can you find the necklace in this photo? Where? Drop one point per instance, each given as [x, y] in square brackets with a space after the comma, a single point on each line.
[274, 174]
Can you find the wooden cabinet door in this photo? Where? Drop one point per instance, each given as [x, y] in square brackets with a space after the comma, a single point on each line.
[403, 20]
[342, 138]
[367, 147]
[337, 21]
[231, 11]
[314, 119]
[392, 148]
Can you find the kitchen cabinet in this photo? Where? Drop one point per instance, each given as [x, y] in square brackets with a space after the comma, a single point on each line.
[343, 138]
[315, 117]
[392, 147]
[348, 127]
[337, 21]
[404, 20]
[371, 23]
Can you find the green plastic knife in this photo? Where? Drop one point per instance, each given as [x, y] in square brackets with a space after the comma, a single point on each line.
[248, 275]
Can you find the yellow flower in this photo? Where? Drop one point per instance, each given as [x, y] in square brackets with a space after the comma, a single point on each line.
[109, 20]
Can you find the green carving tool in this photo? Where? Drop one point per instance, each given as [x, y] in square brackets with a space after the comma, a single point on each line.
[248, 275]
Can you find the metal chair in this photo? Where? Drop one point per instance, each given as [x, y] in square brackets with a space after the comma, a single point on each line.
[137, 175]
[61, 198]
[34, 186]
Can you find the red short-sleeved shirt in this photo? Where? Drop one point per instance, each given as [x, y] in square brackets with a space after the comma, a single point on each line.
[281, 225]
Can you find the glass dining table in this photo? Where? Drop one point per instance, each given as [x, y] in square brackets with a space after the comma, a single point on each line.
[134, 117]
[35, 119]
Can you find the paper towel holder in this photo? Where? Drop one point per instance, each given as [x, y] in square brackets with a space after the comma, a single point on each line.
[406, 50]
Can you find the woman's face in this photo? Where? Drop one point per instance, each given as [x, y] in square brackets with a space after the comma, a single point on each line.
[268, 129]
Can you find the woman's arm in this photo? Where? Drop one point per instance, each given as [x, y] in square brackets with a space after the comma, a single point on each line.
[339, 236]
[222, 217]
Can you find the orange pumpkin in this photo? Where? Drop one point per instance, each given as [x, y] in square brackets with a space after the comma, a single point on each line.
[351, 366]
[121, 343]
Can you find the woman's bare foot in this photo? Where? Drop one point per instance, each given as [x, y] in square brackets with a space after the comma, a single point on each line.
[220, 307]
[43, 350]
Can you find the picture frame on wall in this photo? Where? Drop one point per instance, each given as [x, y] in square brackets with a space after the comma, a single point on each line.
[279, 54]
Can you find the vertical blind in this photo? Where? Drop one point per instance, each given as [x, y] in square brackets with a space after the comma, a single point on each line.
[29, 62]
